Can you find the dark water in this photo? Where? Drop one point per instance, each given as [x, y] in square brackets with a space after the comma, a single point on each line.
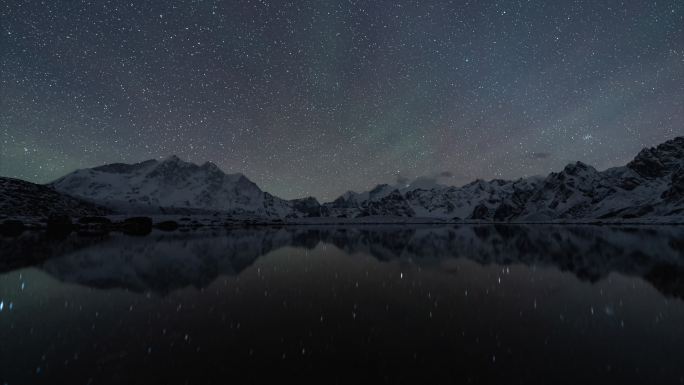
[466, 304]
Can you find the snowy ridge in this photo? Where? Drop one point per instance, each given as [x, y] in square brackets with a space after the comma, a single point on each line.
[161, 186]
[650, 186]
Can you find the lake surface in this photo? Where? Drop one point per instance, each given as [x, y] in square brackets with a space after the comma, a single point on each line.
[457, 304]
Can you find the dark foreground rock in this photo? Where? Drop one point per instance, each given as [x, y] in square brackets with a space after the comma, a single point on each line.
[59, 225]
[20, 198]
[167, 225]
[137, 226]
[12, 228]
[95, 221]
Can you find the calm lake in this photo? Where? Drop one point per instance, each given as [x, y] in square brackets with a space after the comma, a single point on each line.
[393, 304]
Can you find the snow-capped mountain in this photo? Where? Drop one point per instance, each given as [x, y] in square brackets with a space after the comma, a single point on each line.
[172, 184]
[652, 185]
[445, 202]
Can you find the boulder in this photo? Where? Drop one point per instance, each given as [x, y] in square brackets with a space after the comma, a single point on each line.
[137, 226]
[167, 225]
[59, 225]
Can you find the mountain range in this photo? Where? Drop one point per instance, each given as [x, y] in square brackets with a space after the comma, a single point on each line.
[650, 186]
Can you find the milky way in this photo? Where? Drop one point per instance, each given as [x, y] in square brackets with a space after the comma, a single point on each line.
[319, 97]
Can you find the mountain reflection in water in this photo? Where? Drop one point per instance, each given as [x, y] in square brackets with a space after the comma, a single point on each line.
[163, 262]
[395, 304]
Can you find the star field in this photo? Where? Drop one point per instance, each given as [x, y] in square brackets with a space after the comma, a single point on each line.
[319, 97]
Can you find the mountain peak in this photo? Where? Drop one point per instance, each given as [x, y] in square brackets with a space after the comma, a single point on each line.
[175, 160]
[171, 159]
[661, 160]
[425, 183]
[379, 187]
[170, 184]
[211, 167]
[122, 168]
[480, 183]
[577, 168]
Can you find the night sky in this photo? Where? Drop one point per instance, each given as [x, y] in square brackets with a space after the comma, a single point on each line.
[320, 97]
